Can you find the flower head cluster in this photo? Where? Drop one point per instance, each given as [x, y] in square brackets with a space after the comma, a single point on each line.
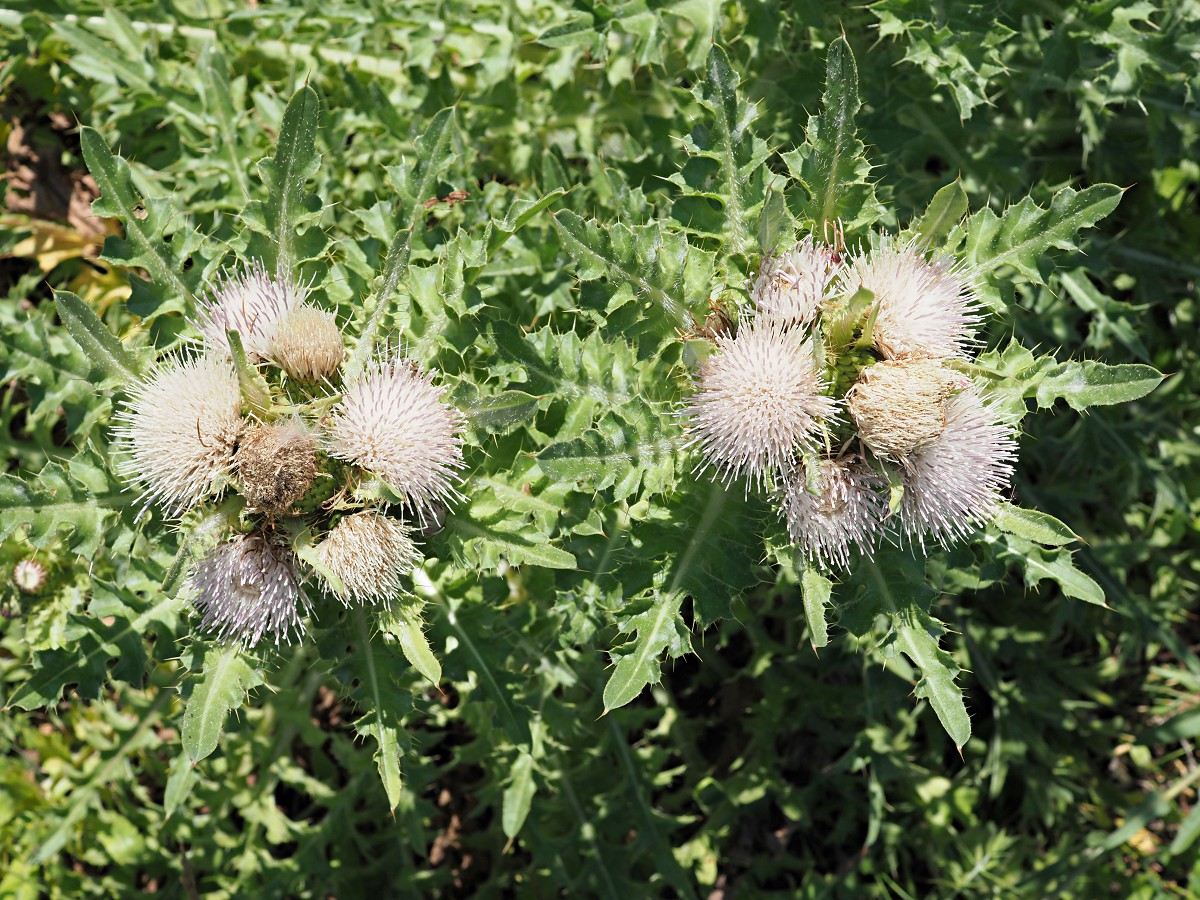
[866, 350]
[298, 450]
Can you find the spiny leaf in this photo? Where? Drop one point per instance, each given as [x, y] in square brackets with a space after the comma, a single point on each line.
[415, 182]
[225, 675]
[106, 353]
[171, 284]
[482, 657]
[917, 635]
[285, 174]
[625, 453]
[815, 589]
[724, 180]
[1055, 563]
[831, 165]
[405, 625]
[518, 796]
[1018, 375]
[1023, 233]
[1033, 525]
[945, 211]
[94, 644]
[656, 263]
[659, 627]
[80, 498]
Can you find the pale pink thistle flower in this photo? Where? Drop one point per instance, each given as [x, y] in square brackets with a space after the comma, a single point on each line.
[29, 576]
[926, 309]
[790, 287]
[252, 303]
[758, 403]
[393, 422]
[370, 554]
[177, 431]
[307, 344]
[247, 589]
[839, 509]
[955, 484]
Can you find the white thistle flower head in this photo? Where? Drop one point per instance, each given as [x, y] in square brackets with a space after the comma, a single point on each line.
[29, 576]
[394, 422]
[926, 309]
[276, 465]
[247, 589]
[177, 430]
[898, 406]
[759, 402]
[791, 287]
[370, 553]
[837, 506]
[252, 303]
[954, 484]
[307, 344]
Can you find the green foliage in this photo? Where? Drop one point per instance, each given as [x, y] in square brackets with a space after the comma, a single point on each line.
[604, 681]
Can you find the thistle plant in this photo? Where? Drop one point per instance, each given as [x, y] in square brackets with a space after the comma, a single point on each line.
[412, 485]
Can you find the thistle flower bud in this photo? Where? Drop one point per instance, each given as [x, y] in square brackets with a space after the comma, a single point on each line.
[276, 465]
[790, 287]
[897, 406]
[250, 303]
[393, 422]
[833, 508]
[758, 402]
[925, 309]
[177, 430]
[247, 589]
[369, 553]
[29, 576]
[307, 344]
[954, 484]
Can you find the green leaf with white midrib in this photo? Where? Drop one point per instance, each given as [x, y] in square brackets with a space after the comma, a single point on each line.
[1033, 525]
[118, 199]
[80, 496]
[383, 725]
[403, 622]
[622, 254]
[918, 634]
[815, 591]
[516, 727]
[1024, 232]
[657, 621]
[903, 599]
[106, 353]
[1055, 563]
[216, 91]
[285, 174]
[227, 674]
[45, 685]
[725, 138]
[835, 128]
[433, 154]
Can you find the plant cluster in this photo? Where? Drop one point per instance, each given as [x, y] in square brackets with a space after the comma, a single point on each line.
[838, 358]
[554, 380]
[314, 464]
